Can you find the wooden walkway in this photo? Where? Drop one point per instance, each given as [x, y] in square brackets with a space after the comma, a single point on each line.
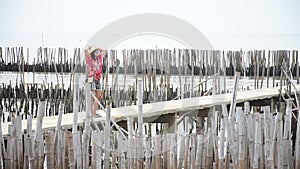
[159, 108]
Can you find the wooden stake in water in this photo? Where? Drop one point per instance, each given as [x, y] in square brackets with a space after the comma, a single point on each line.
[87, 127]
[38, 139]
[140, 150]
[107, 137]
[130, 154]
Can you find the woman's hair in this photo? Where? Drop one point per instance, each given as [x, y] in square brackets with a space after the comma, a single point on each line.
[93, 55]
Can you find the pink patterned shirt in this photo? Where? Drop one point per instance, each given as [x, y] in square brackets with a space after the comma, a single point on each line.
[94, 67]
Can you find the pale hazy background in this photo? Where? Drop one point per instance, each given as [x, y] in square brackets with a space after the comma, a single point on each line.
[230, 24]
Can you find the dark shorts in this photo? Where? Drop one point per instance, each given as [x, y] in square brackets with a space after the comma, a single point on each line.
[96, 85]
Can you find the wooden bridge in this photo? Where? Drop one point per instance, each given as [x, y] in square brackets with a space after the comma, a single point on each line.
[163, 112]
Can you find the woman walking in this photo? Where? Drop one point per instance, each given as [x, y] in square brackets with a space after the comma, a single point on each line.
[94, 57]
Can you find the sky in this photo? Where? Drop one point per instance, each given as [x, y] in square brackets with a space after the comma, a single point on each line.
[228, 25]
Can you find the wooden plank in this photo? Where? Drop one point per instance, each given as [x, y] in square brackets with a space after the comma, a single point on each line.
[158, 108]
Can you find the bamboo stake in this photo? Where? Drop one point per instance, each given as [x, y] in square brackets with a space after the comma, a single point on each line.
[286, 136]
[279, 141]
[148, 154]
[157, 151]
[274, 66]
[209, 149]
[263, 69]
[165, 150]
[199, 150]
[2, 150]
[181, 151]
[268, 68]
[173, 152]
[230, 133]
[87, 128]
[186, 153]
[107, 137]
[140, 124]
[257, 142]
[30, 142]
[193, 152]
[65, 149]
[242, 138]
[122, 142]
[130, 142]
[49, 151]
[57, 137]
[179, 71]
[222, 143]
[19, 141]
[297, 142]
[38, 140]
[97, 142]
[224, 72]
[70, 150]
[268, 127]
[297, 66]
[187, 141]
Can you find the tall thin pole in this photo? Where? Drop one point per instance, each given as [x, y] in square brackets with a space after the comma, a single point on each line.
[140, 123]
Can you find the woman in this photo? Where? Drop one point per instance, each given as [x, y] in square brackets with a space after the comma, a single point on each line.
[94, 63]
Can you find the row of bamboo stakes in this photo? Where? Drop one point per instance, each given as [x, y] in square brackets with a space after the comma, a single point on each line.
[212, 146]
[241, 137]
[157, 67]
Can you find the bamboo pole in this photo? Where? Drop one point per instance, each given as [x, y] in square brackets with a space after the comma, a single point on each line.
[268, 68]
[187, 142]
[297, 141]
[10, 151]
[30, 141]
[222, 144]
[230, 133]
[224, 72]
[65, 149]
[179, 71]
[165, 150]
[181, 151]
[38, 140]
[140, 124]
[49, 151]
[279, 141]
[297, 66]
[173, 151]
[130, 154]
[76, 136]
[148, 154]
[107, 137]
[157, 151]
[263, 69]
[199, 151]
[122, 150]
[268, 128]
[87, 128]
[193, 152]
[19, 141]
[57, 137]
[286, 136]
[242, 138]
[209, 149]
[97, 142]
[2, 150]
[204, 151]
[71, 156]
[257, 142]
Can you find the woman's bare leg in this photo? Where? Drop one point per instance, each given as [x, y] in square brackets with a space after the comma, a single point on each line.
[95, 104]
[93, 111]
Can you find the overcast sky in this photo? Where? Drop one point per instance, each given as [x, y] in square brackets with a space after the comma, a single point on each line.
[229, 24]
